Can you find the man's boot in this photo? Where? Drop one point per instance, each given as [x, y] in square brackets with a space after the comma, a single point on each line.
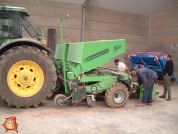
[162, 96]
[168, 99]
[140, 105]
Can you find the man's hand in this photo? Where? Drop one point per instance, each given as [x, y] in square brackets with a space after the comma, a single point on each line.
[143, 89]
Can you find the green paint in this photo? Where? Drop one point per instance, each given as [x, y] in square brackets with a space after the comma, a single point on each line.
[153, 92]
[6, 41]
[70, 76]
[102, 85]
[9, 8]
[96, 55]
[63, 54]
[11, 25]
[78, 59]
[42, 32]
[85, 56]
[141, 93]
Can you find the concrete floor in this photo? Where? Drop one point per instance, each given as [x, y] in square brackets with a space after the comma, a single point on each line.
[161, 118]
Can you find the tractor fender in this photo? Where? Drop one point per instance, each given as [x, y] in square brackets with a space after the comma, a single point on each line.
[24, 41]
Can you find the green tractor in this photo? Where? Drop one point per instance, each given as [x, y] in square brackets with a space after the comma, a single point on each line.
[28, 75]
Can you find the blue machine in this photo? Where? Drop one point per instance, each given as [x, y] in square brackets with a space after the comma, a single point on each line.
[152, 60]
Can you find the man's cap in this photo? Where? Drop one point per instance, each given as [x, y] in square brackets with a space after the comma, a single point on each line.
[11, 117]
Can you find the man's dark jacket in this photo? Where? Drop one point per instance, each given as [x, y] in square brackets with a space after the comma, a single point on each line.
[168, 69]
[146, 76]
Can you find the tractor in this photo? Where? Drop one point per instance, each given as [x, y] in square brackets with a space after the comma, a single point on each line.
[28, 75]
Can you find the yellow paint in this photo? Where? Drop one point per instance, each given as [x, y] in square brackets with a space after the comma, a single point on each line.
[25, 78]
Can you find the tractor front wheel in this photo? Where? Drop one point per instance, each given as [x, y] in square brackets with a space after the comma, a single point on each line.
[27, 76]
[91, 102]
[117, 96]
[60, 100]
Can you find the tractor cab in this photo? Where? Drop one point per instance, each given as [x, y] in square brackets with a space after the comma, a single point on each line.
[13, 22]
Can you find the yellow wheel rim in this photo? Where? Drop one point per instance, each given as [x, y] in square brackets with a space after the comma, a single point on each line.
[25, 78]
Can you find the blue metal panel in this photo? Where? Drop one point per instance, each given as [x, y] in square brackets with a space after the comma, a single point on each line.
[151, 60]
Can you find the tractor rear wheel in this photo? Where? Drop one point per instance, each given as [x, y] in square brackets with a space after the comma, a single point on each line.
[27, 76]
[117, 96]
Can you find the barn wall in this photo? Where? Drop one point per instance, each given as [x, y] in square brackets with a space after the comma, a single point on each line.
[45, 13]
[164, 31]
[102, 24]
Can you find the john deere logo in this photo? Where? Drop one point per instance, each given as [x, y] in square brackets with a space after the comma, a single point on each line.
[116, 48]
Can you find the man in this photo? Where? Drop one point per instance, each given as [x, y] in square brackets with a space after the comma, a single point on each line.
[121, 67]
[147, 77]
[167, 73]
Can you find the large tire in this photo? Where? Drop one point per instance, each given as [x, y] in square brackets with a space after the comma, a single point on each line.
[42, 83]
[113, 100]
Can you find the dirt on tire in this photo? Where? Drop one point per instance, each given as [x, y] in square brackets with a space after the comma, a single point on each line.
[19, 53]
[56, 99]
[109, 95]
